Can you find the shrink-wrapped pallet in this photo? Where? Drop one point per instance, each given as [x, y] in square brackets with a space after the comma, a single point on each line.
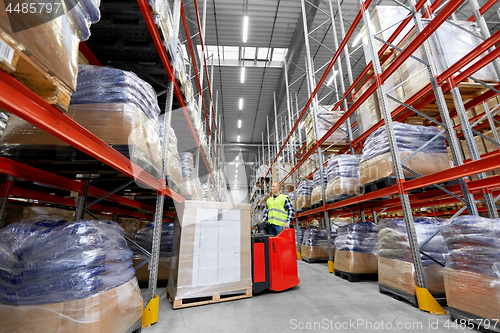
[304, 191]
[343, 177]
[67, 276]
[279, 172]
[317, 192]
[376, 161]
[472, 273]
[315, 244]
[211, 252]
[356, 248]
[326, 119]
[395, 264]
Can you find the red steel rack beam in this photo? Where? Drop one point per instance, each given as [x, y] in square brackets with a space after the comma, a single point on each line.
[143, 5]
[84, 49]
[483, 9]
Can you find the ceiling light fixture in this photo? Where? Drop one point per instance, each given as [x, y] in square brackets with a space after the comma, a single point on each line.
[239, 123]
[331, 78]
[242, 74]
[238, 138]
[240, 104]
[245, 28]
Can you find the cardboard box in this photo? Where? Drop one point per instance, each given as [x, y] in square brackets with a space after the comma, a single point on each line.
[472, 293]
[211, 250]
[356, 262]
[112, 311]
[400, 275]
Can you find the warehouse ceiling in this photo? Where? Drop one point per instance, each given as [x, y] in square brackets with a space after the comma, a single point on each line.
[275, 35]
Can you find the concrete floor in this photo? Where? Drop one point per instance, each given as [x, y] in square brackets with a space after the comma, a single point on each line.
[321, 302]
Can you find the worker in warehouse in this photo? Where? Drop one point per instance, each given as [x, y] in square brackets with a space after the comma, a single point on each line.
[279, 211]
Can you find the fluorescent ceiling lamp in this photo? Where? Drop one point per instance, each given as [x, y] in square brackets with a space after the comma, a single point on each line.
[331, 78]
[245, 29]
[242, 74]
[356, 40]
[239, 123]
[240, 104]
[238, 138]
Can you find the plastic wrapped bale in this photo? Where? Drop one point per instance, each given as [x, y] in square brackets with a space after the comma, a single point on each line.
[97, 84]
[67, 276]
[472, 273]
[315, 245]
[304, 192]
[317, 193]
[343, 177]
[326, 119]
[376, 161]
[211, 252]
[357, 248]
[206, 192]
[188, 181]
[395, 266]
[144, 238]
[123, 126]
[368, 113]
[262, 171]
[300, 237]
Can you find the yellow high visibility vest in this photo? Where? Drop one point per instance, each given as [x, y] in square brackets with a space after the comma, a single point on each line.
[276, 210]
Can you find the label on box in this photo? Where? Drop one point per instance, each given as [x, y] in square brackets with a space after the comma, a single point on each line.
[6, 53]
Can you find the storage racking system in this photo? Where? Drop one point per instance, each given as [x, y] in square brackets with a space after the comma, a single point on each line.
[445, 86]
[44, 183]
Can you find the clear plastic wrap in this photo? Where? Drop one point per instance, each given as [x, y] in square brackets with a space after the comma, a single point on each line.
[358, 237]
[188, 175]
[262, 171]
[173, 168]
[304, 192]
[326, 119]
[376, 160]
[473, 293]
[123, 126]
[473, 244]
[116, 310]
[343, 177]
[144, 238]
[52, 261]
[317, 194]
[97, 84]
[211, 253]
[54, 44]
[315, 244]
[395, 261]
[368, 113]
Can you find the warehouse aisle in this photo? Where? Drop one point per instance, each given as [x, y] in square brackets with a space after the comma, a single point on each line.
[321, 299]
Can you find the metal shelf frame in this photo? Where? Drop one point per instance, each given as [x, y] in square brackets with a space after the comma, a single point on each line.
[467, 192]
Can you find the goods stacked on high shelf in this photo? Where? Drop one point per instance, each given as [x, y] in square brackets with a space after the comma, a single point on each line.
[44, 57]
[189, 177]
[315, 244]
[261, 172]
[343, 177]
[317, 193]
[144, 238]
[173, 167]
[396, 273]
[60, 276]
[131, 225]
[207, 196]
[112, 104]
[376, 161]
[211, 252]
[304, 192]
[279, 172]
[448, 44]
[291, 195]
[300, 236]
[357, 249]
[326, 119]
[472, 273]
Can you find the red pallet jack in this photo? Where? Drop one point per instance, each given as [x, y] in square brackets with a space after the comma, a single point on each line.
[274, 262]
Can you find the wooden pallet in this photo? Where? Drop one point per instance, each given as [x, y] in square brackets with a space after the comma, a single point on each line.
[398, 294]
[215, 298]
[314, 260]
[353, 277]
[338, 198]
[24, 67]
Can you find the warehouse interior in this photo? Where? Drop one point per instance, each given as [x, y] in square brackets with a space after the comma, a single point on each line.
[249, 165]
